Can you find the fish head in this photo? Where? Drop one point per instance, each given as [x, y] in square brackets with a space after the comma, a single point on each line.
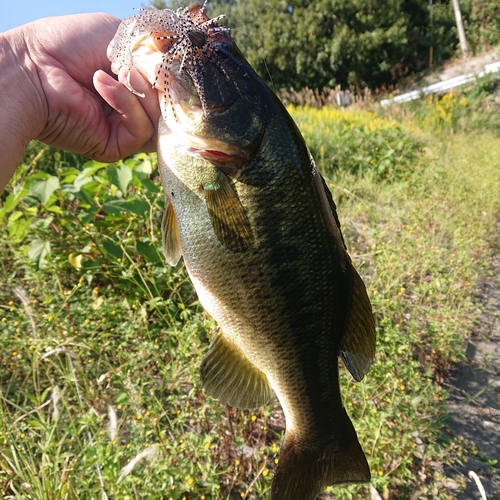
[206, 88]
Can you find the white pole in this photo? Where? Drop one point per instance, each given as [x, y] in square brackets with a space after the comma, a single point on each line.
[460, 28]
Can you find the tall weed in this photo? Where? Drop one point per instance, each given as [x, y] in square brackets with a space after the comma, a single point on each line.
[357, 142]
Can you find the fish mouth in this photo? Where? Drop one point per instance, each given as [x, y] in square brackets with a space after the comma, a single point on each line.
[228, 156]
[145, 56]
[181, 105]
[199, 98]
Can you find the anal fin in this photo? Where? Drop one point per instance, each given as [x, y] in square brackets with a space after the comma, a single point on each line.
[170, 235]
[357, 348]
[228, 375]
[229, 220]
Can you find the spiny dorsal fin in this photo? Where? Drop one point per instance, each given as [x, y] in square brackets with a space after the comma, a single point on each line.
[357, 348]
[170, 235]
[229, 220]
[228, 375]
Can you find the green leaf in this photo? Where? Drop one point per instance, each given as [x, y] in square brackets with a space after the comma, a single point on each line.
[122, 398]
[15, 216]
[78, 182]
[120, 176]
[150, 186]
[13, 200]
[417, 400]
[69, 177]
[92, 188]
[18, 229]
[118, 206]
[87, 215]
[44, 189]
[91, 266]
[37, 176]
[90, 168]
[144, 167]
[113, 249]
[38, 250]
[55, 209]
[148, 251]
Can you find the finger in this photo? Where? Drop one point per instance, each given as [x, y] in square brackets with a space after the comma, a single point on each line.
[150, 102]
[130, 127]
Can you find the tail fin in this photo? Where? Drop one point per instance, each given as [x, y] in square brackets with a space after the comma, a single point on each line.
[303, 471]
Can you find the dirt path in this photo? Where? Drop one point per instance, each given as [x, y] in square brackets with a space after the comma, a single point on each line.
[474, 402]
[457, 67]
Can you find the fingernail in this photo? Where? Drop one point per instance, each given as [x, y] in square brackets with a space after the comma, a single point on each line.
[134, 86]
[138, 81]
[105, 79]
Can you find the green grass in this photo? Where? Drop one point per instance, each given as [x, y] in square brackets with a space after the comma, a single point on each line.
[99, 359]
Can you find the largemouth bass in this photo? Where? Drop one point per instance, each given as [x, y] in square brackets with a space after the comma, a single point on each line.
[258, 230]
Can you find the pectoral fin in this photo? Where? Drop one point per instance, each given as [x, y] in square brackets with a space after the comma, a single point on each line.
[357, 348]
[170, 235]
[229, 220]
[228, 375]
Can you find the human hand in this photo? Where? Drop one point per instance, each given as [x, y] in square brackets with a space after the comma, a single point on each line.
[55, 66]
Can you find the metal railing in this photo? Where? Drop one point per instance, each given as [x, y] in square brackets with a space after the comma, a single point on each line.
[444, 85]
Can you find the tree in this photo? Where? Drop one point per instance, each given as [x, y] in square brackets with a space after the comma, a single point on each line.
[159, 4]
[320, 43]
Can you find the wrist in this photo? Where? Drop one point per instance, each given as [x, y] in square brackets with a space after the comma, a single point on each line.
[22, 106]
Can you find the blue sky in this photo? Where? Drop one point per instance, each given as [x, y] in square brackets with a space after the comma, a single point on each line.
[14, 13]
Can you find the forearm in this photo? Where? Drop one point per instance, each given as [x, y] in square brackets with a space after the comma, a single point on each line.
[20, 103]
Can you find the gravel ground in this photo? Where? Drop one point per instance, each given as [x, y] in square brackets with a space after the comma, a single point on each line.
[474, 402]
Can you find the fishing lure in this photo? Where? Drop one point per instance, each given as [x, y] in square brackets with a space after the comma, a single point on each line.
[186, 37]
[194, 40]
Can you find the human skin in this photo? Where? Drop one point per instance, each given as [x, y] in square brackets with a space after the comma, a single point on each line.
[56, 86]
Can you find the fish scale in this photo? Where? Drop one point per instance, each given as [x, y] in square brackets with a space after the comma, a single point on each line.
[257, 228]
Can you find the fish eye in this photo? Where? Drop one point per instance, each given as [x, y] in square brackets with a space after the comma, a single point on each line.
[197, 38]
